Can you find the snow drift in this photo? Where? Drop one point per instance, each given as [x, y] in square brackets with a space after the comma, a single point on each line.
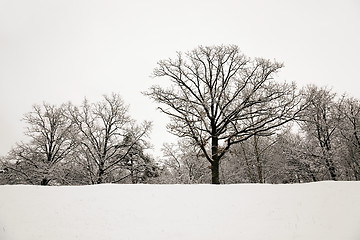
[326, 210]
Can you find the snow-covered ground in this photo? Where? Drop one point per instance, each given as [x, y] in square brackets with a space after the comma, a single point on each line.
[325, 210]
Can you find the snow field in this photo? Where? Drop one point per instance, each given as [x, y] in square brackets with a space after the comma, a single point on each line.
[324, 210]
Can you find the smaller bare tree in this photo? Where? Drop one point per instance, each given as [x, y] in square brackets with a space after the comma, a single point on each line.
[107, 136]
[51, 141]
[186, 162]
[350, 134]
[321, 122]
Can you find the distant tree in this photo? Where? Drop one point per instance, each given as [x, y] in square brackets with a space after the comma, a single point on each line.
[219, 97]
[294, 160]
[39, 160]
[321, 122]
[107, 137]
[350, 135]
[260, 159]
[186, 163]
[239, 165]
[4, 177]
[138, 167]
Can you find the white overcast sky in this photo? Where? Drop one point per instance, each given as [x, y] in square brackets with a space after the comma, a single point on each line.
[59, 51]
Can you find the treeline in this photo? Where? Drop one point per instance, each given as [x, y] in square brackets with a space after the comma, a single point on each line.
[321, 144]
[235, 122]
[89, 144]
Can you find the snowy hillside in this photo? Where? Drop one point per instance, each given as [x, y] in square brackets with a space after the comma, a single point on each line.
[326, 210]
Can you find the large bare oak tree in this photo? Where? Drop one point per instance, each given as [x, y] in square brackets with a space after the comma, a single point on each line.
[218, 97]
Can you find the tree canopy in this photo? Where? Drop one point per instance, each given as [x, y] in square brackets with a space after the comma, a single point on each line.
[220, 97]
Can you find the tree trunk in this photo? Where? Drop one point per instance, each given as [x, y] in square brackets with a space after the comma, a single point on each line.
[132, 171]
[249, 170]
[331, 168]
[215, 179]
[314, 179]
[215, 173]
[357, 175]
[100, 174]
[45, 181]
[258, 160]
[99, 179]
[328, 161]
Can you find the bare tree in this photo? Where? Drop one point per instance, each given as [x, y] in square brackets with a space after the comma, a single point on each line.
[254, 160]
[139, 166]
[321, 122]
[107, 136]
[293, 159]
[214, 92]
[185, 162]
[350, 133]
[51, 141]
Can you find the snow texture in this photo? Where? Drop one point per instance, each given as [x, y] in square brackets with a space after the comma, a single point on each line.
[325, 210]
